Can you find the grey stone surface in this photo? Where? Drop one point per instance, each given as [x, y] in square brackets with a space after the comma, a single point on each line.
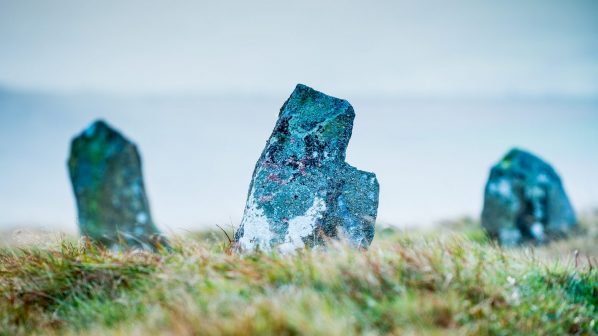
[525, 202]
[302, 191]
[113, 209]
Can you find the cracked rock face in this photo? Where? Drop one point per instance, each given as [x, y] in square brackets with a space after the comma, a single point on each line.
[302, 191]
[105, 171]
[525, 202]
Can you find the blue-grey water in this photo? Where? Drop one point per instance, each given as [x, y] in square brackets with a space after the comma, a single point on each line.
[431, 156]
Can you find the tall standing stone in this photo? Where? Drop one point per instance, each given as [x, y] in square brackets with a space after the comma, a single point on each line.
[302, 191]
[525, 201]
[113, 209]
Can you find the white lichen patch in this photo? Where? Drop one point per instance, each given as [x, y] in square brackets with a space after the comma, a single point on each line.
[537, 230]
[542, 178]
[302, 226]
[142, 218]
[256, 228]
[502, 188]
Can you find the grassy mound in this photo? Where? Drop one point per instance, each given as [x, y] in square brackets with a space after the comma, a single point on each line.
[405, 284]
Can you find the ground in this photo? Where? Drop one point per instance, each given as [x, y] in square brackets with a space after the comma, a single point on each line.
[451, 280]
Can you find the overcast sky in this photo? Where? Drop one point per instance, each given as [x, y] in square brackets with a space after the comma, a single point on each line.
[477, 47]
[442, 89]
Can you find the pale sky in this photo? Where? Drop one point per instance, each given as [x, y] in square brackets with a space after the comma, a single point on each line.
[473, 47]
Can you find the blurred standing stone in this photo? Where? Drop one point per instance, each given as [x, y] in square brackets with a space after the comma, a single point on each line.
[525, 201]
[105, 170]
[302, 191]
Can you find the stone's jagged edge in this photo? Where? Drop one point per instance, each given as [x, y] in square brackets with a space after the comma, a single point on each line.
[109, 234]
[361, 234]
[319, 220]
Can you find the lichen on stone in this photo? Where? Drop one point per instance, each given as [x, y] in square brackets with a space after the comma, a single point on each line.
[302, 191]
[112, 205]
[525, 201]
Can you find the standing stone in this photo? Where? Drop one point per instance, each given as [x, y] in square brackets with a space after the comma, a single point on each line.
[525, 201]
[302, 191]
[105, 170]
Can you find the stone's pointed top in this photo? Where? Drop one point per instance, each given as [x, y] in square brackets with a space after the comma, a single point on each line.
[304, 97]
[516, 153]
[100, 142]
[518, 159]
[97, 127]
[99, 132]
[101, 123]
[302, 89]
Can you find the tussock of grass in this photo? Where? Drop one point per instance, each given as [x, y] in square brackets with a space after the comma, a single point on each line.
[404, 284]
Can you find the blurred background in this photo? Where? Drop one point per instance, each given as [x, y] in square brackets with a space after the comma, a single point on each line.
[441, 91]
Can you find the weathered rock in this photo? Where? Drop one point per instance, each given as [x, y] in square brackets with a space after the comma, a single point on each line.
[525, 201]
[113, 210]
[302, 191]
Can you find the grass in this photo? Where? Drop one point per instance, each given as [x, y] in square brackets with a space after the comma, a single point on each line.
[407, 283]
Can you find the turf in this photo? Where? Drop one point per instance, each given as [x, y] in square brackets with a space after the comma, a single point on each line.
[408, 282]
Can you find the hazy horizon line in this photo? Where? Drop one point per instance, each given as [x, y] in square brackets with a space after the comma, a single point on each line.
[272, 94]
